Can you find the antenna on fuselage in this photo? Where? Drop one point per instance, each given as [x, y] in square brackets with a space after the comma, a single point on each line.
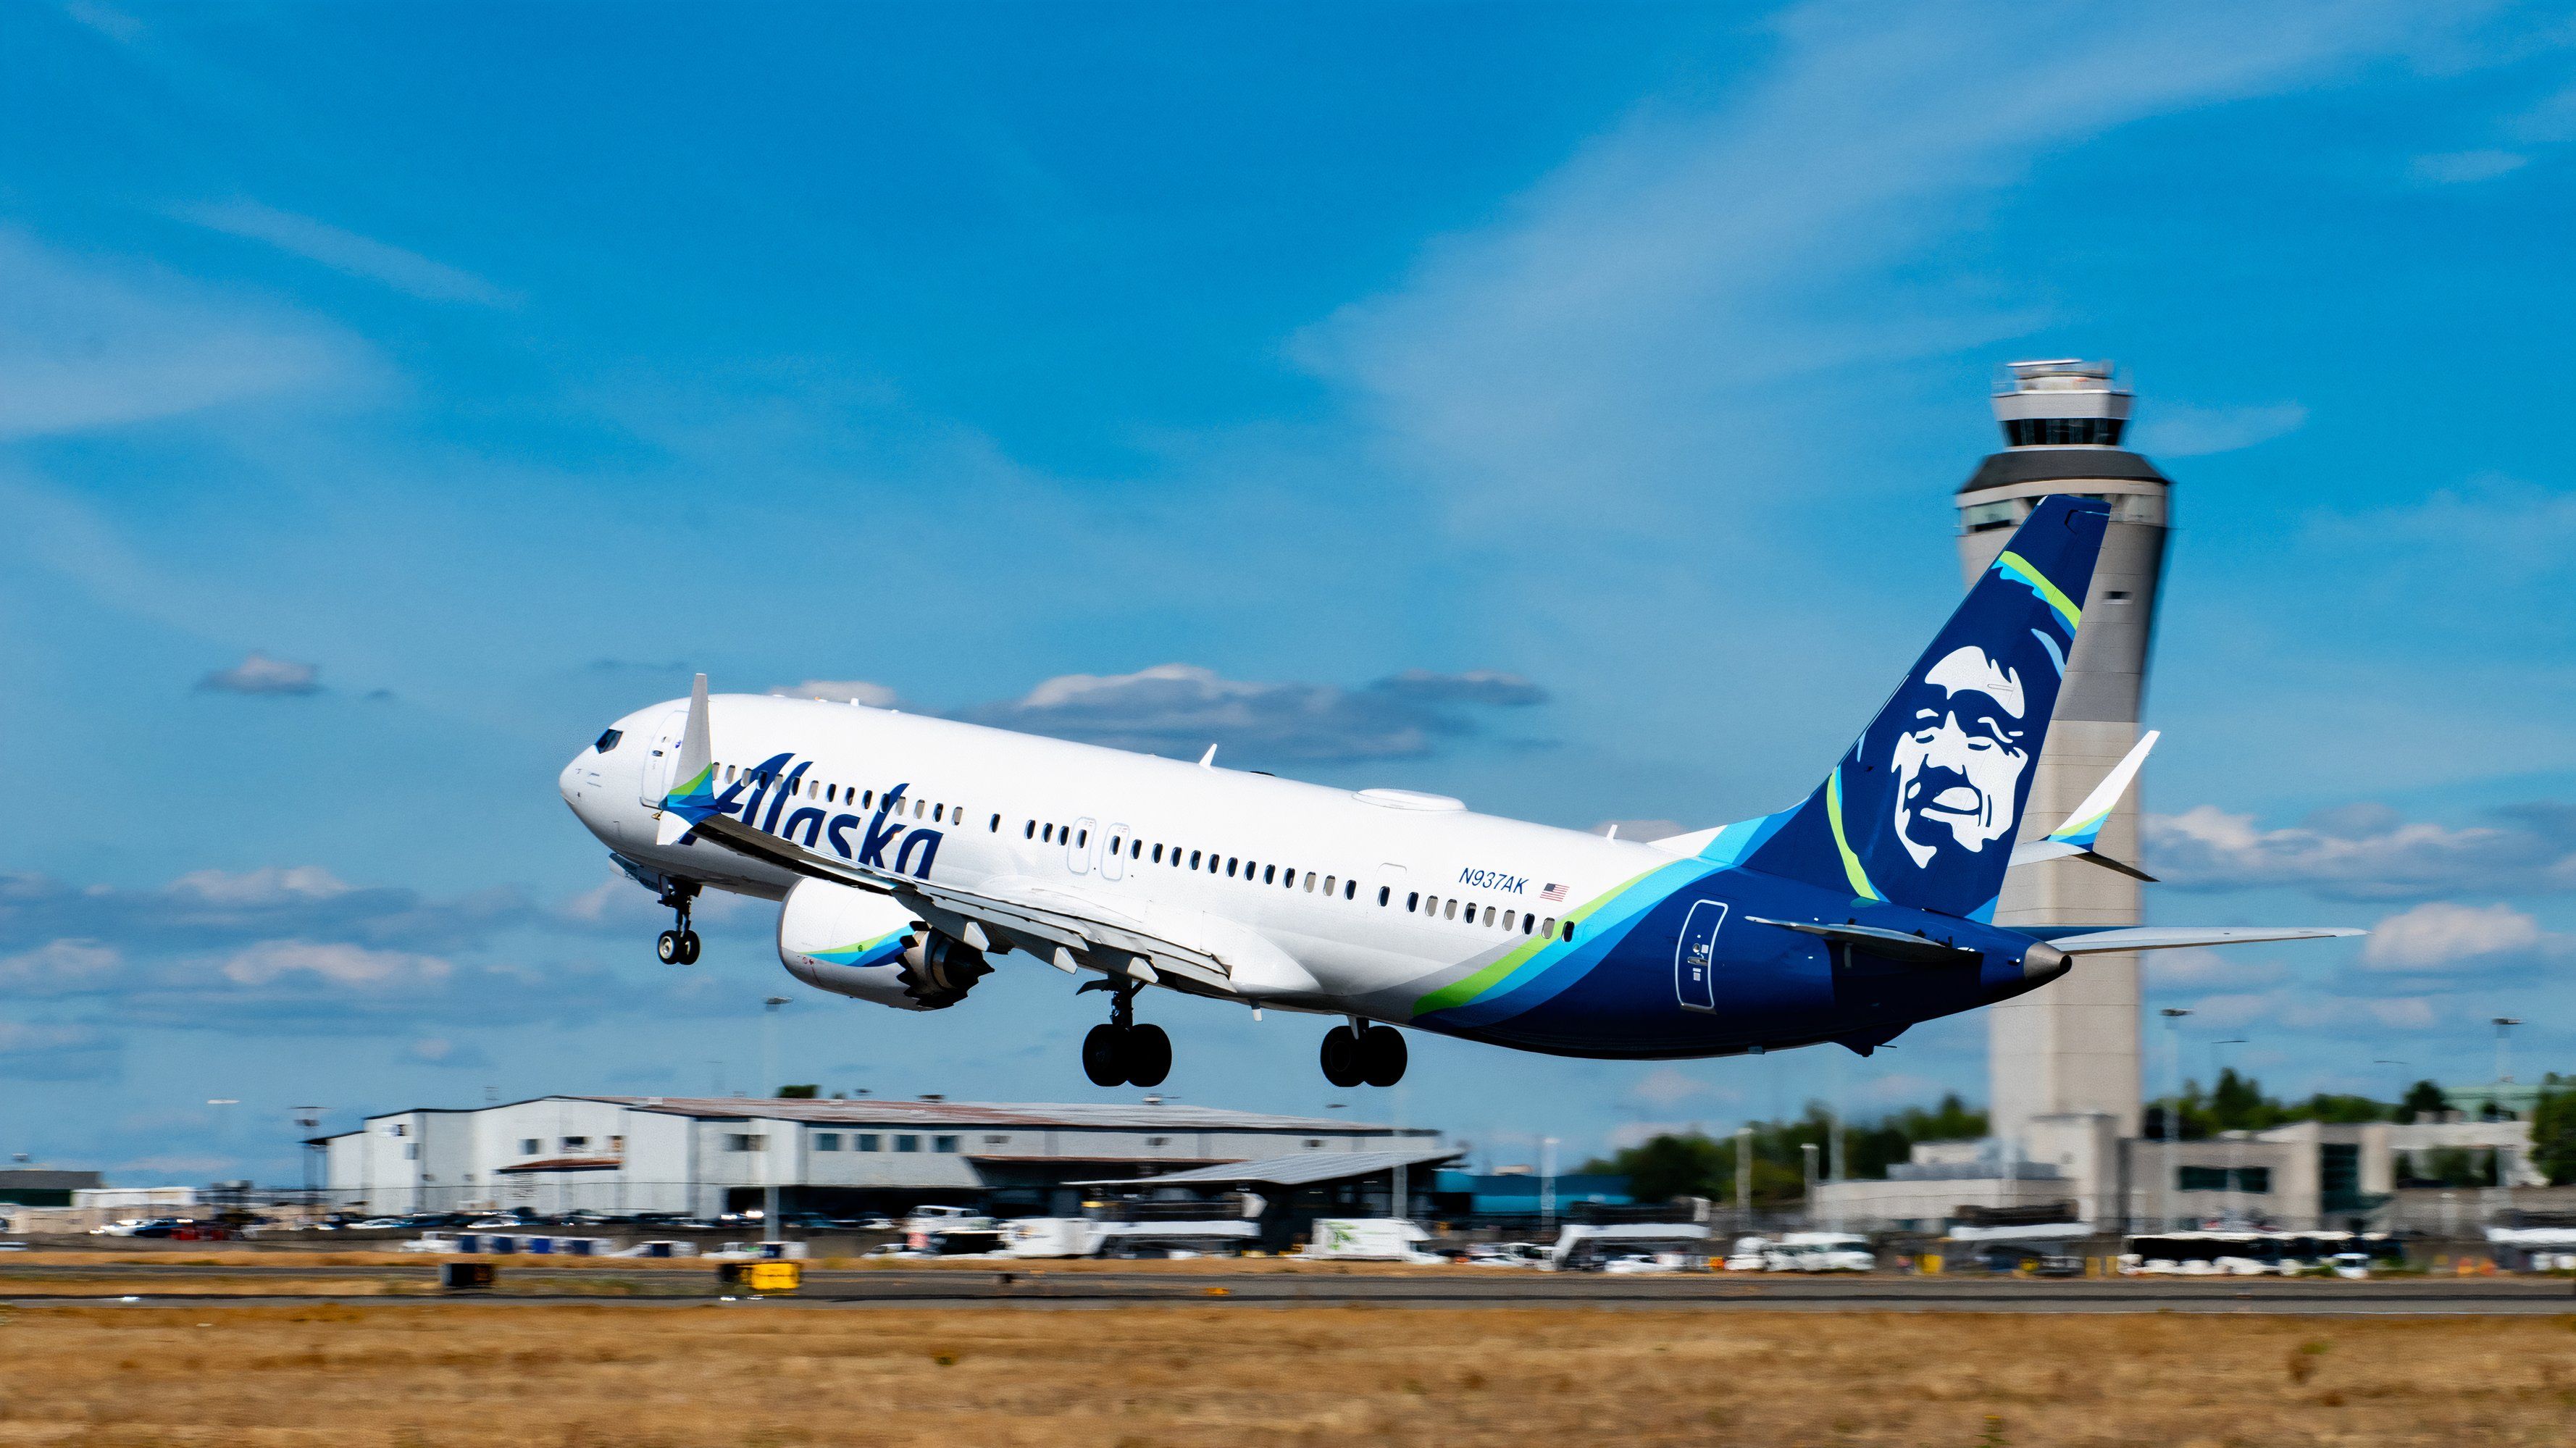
[1208, 760]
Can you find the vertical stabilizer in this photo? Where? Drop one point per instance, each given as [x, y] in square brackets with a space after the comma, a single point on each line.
[1924, 808]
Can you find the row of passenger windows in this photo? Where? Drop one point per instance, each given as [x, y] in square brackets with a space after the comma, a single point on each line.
[1233, 867]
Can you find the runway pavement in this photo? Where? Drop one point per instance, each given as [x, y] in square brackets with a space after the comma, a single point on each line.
[1036, 1286]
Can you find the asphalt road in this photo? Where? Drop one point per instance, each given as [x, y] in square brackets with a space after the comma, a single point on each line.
[30, 1286]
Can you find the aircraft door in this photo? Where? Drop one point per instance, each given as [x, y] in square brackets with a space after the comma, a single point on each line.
[1695, 957]
[1078, 850]
[653, 782]
[1113, 865]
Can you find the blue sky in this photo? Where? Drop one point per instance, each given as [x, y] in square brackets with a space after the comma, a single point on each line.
[389, 396]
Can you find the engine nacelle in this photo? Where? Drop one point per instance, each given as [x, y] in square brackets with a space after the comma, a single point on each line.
[859, 943]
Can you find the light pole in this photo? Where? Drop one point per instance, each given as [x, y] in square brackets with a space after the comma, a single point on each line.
[2169, 1159]
[1743, 1180]
[1807, 1149]
[2405, 1165]
[1547, 1186]
[307, 1118]
[769, 1076]
[2504, 1052]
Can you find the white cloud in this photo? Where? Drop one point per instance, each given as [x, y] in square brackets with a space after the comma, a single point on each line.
[346, 251]
[1665, 1087]
[857, 691]
[2443, 936]
[260, 674]
[331, 963]
[2176, 430]
[84, 346]
[61, 967]
[2456, 168]
[1182, 708]
[270, 885]
[2365, 852]
[2186, 969]
[440, 1051]
[1627, 319]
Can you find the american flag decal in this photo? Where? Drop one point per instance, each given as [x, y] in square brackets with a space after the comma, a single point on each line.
[1553, 892]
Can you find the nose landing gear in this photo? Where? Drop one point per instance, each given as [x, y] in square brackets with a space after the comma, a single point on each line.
[1364, 1055]
[678, 946]
[1123, 1053]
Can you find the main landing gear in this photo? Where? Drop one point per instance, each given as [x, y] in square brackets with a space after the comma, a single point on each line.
[1123, 1053]
[1363, 1054]
[678, 946]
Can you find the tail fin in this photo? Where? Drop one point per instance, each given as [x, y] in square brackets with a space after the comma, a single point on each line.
[1922, 811]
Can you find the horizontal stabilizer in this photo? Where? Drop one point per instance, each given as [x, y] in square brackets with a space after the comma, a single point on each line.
[2171, 937]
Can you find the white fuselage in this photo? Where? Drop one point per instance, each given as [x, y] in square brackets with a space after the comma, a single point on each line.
[1388, 887]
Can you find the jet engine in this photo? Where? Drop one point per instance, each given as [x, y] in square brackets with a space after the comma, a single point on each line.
[859, 943]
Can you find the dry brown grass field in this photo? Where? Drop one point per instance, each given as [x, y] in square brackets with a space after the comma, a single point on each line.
[468, 1374]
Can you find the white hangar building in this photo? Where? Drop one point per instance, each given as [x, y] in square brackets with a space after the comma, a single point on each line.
[698, 1156]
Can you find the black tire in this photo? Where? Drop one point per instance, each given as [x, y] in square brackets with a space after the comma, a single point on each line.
[688, 947]
[668, 947]
[1341, 1057]
[1382, 1056]
[1104, 1056]
[1149, 1056]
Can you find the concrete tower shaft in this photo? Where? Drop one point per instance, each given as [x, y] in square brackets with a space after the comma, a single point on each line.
[2073, 1046]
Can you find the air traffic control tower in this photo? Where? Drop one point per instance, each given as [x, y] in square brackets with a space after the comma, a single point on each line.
[2072, 1047]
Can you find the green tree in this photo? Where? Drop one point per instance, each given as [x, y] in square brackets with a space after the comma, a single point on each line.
[799, 1093]
[2424, 1102]
[1664, 1167]
[2553, 1132]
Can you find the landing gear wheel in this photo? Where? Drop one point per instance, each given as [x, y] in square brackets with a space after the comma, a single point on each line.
[669, 947]
[688, 947]
[1149, 1055]
[1341, 1058]
[1382, 1056]
[1104, 1056]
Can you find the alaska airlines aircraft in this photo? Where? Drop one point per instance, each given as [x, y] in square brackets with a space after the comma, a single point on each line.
[908, 850]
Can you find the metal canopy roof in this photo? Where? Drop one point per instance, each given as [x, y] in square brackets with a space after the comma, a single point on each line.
[1297, 1169]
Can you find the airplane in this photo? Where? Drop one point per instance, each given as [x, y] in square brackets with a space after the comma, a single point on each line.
[908, 851]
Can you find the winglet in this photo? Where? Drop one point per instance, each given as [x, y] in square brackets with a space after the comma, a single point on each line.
[1208, 760]
[691, 796]
[2084, 826]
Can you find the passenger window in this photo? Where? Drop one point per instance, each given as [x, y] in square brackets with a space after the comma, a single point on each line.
[1529, 924]
[1350, 889]
[867, 798]
[1452, 910]
[1229, 867]
[1412, 901]
[1194, 859]
[997, 825]
[917, 807]
[1310, 882]
[1384, 894]
[1328, 884]
[1115, 844]
[1489, 915]
[1509, 919]
[1135, 849]
[1082, 839]
[934, 813]
[1569, 932]
[1158, 854]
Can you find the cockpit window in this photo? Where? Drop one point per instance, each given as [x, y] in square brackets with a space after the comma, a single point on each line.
[608, 741]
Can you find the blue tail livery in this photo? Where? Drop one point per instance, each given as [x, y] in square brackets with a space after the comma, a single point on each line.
[1922, 810]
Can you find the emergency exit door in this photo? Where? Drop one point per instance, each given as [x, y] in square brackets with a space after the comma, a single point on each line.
[1695, 957]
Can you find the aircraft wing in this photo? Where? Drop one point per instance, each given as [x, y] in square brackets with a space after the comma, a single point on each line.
[2169, 937]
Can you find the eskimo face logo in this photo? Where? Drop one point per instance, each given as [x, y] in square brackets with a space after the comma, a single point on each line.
[1958, 764]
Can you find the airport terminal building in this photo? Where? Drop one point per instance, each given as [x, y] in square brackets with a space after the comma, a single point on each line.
[700, 1156]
